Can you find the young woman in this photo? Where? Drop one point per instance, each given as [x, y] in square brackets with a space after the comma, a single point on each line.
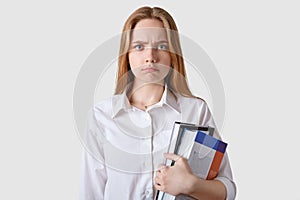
[128, 134]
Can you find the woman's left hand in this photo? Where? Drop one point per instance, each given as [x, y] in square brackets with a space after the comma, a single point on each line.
[176, 179]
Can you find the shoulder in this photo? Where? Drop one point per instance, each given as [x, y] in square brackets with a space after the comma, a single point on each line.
[106, 105]
[191, 101]
[195, 110]
[103, 104]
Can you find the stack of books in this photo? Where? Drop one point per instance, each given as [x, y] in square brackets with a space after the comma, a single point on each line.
[197, 144]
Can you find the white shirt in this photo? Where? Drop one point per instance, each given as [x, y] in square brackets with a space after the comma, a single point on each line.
[124, 146]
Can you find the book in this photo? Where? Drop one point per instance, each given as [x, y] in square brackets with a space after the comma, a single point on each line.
[197, 144]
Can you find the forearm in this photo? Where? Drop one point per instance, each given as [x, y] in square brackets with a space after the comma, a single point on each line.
[206, 189]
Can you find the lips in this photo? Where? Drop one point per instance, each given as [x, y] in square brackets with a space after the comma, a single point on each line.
[150, 69]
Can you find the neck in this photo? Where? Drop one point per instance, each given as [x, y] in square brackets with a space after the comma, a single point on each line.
[144, 95]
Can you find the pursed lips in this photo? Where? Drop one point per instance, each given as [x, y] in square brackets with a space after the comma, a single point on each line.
[150, 69]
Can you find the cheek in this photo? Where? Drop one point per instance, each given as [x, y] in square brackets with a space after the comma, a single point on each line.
[134, 60]
[165, 58]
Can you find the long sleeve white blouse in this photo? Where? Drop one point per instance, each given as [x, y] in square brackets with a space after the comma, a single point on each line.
[124, 145]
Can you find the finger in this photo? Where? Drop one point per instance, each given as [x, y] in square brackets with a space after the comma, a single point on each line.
[158, 173]
[172, 156]
[157, 180]
[157, 186]
[161, 168]
[160, 187]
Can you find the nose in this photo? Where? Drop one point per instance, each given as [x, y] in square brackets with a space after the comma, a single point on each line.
[151, 56]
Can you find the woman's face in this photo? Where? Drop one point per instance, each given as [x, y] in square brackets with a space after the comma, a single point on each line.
[149, 56]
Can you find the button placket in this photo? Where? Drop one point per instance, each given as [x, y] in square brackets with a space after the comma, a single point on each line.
[149, 190]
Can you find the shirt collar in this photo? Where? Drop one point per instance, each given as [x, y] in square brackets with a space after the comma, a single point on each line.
[120, 102]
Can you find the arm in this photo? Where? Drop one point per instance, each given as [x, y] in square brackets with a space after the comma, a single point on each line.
[206, 189]
[93, 173]
[225, 173]
[93, 178]
[179, 179]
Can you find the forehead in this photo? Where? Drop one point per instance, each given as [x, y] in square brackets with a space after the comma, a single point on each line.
[149, 30]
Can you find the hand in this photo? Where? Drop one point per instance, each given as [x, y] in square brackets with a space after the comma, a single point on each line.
[176, 179]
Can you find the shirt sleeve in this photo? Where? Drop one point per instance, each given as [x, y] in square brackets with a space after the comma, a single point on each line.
[93, 171]
[225, 172]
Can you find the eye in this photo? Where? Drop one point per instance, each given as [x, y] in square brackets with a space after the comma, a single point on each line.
[162, 47]
[138, 47]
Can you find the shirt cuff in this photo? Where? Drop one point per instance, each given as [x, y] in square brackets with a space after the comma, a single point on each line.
[230, 187]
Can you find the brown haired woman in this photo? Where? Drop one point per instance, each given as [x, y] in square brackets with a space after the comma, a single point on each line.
[128, 133]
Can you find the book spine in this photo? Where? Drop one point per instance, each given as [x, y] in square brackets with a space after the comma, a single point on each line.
[215, 165]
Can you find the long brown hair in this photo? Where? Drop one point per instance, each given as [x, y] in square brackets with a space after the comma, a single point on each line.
[176, 79]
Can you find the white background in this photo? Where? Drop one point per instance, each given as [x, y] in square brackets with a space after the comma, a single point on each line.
[43, 44]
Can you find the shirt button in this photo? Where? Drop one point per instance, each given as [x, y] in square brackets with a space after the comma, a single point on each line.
[148, 194]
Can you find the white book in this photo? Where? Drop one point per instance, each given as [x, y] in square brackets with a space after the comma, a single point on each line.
[182, 146]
